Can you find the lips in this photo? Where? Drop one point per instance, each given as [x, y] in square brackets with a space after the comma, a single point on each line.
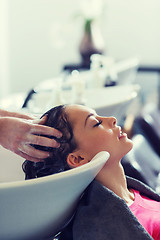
[121, 134]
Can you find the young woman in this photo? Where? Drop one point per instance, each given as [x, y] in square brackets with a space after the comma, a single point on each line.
[113, 207]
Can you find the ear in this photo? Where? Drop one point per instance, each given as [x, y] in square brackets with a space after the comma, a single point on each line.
[75, 160]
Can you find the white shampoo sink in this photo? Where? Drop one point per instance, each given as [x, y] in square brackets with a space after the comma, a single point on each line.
[112, 101]
[107, 101]
[37, 209]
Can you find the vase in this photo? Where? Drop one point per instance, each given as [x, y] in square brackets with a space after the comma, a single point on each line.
[92, 42]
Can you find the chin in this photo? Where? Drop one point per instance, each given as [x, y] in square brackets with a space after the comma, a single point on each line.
[127, 148]
[130, 146]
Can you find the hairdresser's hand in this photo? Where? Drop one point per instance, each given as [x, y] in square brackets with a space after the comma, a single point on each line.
[5, 113]
[16, 134]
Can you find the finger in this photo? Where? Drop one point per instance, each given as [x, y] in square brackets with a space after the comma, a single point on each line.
[45, 130]
[27, 157]
[33, 153]
[40, 121]
[42, 141]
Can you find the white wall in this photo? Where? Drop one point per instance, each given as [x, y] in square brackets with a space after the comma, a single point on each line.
[4, 67]
[40, 40]
[133, 27]
[44, 35]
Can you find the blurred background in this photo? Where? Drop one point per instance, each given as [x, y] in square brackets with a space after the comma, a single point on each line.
[39, 37]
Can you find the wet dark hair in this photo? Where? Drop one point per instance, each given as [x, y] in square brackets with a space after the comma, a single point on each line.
[56, 118]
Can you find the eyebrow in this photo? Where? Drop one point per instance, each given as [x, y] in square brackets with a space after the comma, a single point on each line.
[89, 115]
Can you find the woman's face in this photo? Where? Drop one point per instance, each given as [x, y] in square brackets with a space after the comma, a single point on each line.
[94, 133]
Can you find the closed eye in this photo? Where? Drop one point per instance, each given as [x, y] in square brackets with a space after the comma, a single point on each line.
[98, 123]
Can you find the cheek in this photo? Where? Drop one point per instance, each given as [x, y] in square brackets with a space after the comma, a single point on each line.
[96, 143]
[104, 138]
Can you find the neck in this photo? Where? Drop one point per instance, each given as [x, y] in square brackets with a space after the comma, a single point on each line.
[114, 179]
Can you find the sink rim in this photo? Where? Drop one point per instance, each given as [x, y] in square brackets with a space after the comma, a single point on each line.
[99, 159]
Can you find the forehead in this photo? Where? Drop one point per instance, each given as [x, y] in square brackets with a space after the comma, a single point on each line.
[76, 112]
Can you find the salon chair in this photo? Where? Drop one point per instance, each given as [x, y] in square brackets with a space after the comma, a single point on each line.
[147, 129]
[142, 162]
[37, 209]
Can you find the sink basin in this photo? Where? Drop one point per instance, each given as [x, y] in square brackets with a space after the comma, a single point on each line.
[38, 208]
[10, 166]
[112, 101]
[107, 101]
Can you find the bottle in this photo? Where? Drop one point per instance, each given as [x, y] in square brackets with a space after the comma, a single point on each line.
[78, 89]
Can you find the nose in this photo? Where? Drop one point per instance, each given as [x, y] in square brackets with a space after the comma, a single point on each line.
[112, 121]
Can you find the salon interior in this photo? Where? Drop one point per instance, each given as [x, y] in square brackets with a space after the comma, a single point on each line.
[100, 53]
